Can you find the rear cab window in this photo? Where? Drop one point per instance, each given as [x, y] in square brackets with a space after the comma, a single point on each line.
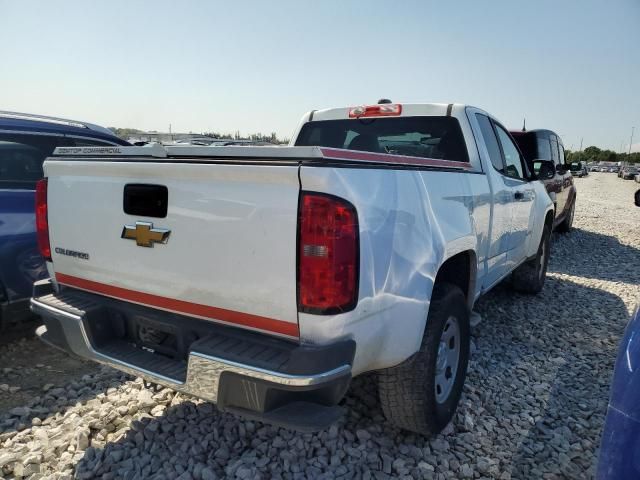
[435, 137]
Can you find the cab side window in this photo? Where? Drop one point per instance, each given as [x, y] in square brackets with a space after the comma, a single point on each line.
[544, 149]
[561, 156]
[490, 140]
[512, 158]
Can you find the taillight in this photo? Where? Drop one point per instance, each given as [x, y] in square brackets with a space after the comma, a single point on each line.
[42, 222]
[328, 254]
[383, 110]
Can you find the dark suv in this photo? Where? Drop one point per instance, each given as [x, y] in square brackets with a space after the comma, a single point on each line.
[547, 145]
[25, 141]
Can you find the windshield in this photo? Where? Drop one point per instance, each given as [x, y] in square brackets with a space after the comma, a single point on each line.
[429, 137]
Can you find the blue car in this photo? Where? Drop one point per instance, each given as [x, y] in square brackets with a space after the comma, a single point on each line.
[620, 449]
[25, 141]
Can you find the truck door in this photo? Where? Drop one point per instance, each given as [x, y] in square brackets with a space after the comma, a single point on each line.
[522, 197]
[501, 200]
[560, 197]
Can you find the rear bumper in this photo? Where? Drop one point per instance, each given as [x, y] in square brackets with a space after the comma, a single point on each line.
[274, 380]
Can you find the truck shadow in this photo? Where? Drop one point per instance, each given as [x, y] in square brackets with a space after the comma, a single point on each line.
[548, 378]
[69, 381]
[616, 262]
[552, 423]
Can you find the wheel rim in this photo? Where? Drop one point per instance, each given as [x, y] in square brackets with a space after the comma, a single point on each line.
[448, 359]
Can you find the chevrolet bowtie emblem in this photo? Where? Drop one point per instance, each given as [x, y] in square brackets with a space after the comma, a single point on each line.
[144, 234]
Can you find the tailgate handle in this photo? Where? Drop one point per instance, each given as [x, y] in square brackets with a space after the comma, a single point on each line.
[144, 200]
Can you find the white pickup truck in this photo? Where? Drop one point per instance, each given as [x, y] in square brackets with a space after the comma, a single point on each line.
[263, 279]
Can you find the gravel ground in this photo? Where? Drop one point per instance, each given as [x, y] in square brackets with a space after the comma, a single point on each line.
[533, 405]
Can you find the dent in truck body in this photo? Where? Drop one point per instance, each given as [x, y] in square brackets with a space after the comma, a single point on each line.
[404, 239]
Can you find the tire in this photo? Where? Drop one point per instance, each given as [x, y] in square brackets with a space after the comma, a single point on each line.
[529, 277]
[410, 395]
[567, 223]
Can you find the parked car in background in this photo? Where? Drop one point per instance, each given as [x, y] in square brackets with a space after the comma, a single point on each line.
[547, 145]
[578, 170]
[630, 173]
[300, 242]
[25, 141]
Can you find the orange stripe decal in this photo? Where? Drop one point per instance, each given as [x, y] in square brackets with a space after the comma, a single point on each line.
[180, 306]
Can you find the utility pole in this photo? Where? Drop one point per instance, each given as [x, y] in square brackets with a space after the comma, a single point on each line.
[631, 140]
[581, 143]
[170, 135]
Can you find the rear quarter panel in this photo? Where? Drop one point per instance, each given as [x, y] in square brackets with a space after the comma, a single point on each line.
[410, 222]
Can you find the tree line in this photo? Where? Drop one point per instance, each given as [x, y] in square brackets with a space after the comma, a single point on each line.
[594, 154]
[125, 133]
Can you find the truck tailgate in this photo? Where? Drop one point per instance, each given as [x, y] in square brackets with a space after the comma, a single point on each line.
[230, 254]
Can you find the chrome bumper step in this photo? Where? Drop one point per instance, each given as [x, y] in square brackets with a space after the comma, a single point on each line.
[230, 367]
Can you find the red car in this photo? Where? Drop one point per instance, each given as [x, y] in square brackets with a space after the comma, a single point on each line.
[547, 145]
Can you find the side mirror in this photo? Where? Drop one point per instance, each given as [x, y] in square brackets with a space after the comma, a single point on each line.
[544, 169]
[637, 198]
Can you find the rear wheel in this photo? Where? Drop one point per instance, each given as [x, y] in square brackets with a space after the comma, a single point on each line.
[422, 393]
[529, 277]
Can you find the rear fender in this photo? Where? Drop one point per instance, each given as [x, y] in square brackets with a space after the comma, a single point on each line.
[411, 222]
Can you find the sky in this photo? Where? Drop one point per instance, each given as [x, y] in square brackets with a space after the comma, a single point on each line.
[572, 66]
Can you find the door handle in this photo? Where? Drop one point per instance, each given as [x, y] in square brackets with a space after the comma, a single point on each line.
[519, 196]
